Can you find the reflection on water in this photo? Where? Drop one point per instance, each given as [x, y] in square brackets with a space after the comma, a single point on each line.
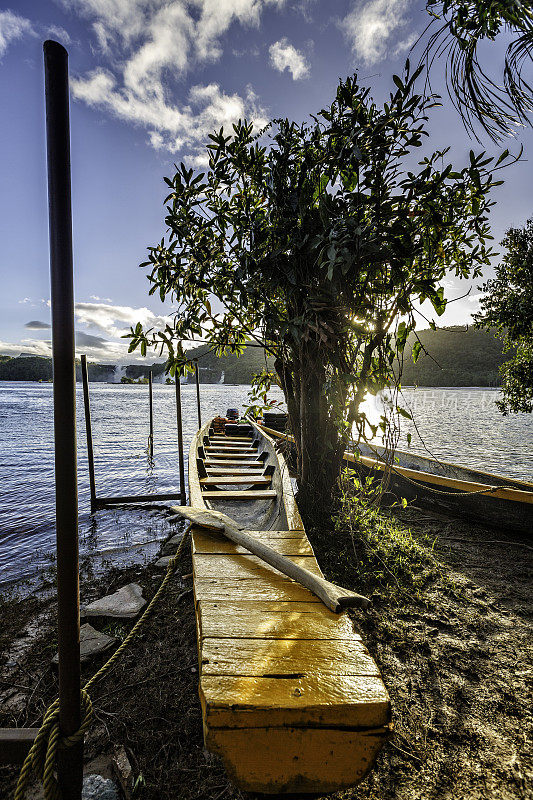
[120, 433]
[461, 425]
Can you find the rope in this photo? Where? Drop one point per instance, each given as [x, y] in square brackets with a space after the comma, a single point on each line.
[460, 493]
[42, 756]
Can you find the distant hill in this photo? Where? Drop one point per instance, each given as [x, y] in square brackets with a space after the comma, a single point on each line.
[458, 357]
[229, 369]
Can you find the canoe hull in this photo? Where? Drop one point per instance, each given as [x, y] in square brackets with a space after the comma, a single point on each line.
[295, 760]
[495, 512]
[426, 486]
[292, 700]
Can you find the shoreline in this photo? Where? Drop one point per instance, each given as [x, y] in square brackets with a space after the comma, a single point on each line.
[453, 654]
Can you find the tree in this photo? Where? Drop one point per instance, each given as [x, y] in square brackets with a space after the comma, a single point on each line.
[315, 242]
[508, 306]
[467, 24]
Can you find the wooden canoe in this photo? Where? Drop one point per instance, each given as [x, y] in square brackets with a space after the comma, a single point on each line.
[482, 497]
[291, 699]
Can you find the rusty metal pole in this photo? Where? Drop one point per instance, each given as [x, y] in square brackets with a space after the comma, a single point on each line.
[88, 431]
[70, 760]
[183, 498]
[151, 401]
[198, 397]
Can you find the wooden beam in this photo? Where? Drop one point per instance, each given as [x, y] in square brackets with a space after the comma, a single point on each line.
[229, 455]
[240, 439]
[136, 498]
[237, 479]
[234, 471]
[218, 448]
[220, 462]
[262, 494]
[15, 744]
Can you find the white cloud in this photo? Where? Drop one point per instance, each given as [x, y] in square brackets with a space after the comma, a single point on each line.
[35, 347]
[59, 34]
[169, 126]
[13, 27]
[370, 26]
[113, 320]
[284, 56]
[148, 46]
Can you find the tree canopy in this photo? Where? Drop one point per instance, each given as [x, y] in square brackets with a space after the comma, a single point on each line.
[317, 240]
[508, 306]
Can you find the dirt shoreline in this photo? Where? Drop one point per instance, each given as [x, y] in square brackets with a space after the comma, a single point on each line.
[456, 658]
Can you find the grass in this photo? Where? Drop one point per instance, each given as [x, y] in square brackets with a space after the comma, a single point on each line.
[371, 548]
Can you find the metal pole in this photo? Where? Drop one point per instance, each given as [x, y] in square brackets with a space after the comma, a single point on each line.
[183, 499]
[198, 397]
[88, 431]
[70, 759]
[151, 438]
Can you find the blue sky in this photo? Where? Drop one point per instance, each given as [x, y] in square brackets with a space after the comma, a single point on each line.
[149, 80]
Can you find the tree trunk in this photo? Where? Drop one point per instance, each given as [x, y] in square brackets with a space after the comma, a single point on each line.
[319, 438]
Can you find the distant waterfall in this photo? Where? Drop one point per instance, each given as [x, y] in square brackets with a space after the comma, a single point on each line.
[222, 377]
[120, 372]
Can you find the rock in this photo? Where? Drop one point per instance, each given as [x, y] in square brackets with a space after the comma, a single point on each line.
[95, 787]
[170, 547]
[162, 563]
[14, 704]
[92, 643]
[123, 771]
[124, 604]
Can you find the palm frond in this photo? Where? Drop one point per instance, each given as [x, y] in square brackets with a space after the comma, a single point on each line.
[498, 108]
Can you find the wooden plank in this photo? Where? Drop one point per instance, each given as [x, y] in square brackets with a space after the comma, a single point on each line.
[273, 534]
[215, 621]
[346, 701]
[231, 438]
[231, 445]
[209, 543]
[210, 453]
[268, 606]
[296, 761]
[272, 587]
[260, 494]
[210, 463]
[245, 566]
[245, 480]
[282, 657]
[15, 744]
[235, 471]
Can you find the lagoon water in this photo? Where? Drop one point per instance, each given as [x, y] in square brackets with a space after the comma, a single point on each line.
[461, 425]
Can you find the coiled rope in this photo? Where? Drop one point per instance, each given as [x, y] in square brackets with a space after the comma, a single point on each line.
[42, 756]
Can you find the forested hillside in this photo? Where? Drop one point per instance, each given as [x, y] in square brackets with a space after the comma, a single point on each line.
[455, 356]
[231, 368]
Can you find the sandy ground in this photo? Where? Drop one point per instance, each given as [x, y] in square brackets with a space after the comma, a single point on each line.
[457, 662]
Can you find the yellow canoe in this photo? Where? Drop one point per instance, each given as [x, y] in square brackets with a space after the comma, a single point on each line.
[291, 699]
